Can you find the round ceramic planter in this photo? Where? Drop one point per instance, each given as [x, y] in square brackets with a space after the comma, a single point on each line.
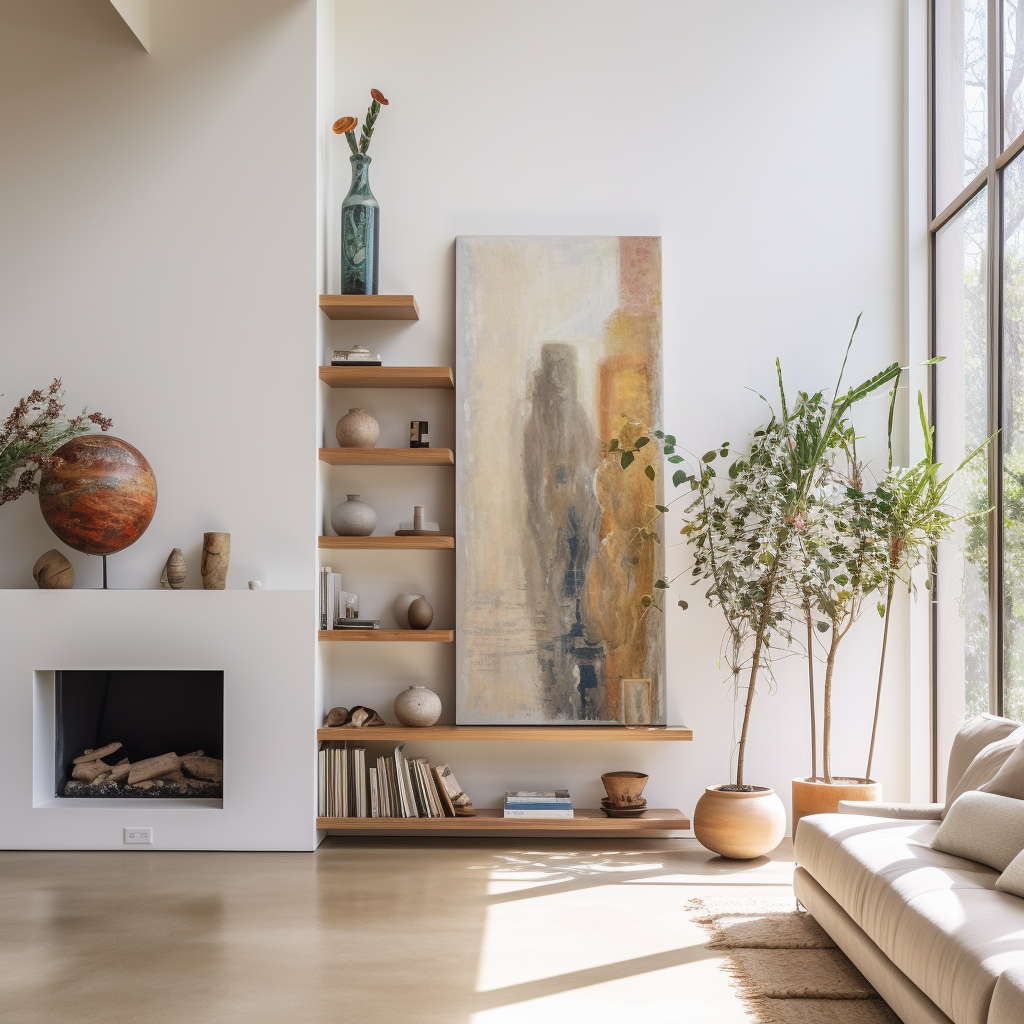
[741, 826]
[814, 796]
[353, 518]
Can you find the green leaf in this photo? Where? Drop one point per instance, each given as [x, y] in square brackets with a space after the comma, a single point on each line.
[675, 459]
[661, 584]
[708, 456]
[658, 434]
[641, 441]
[881, 609]
[613, 444]
[627, 460]
[647, 600]
[683, 605]
[661, 508]
[669, 449]
[822, 627]
[649, 472]
[669, 439]
[678, 477]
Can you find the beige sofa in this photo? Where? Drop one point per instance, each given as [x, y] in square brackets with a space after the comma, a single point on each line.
[927, 929]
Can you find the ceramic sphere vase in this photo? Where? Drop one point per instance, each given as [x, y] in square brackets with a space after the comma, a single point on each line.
[739, 825]
[816, 796]
[421, 614]
[353, 518]
[417, 707]
[357, 429]
[401, 609]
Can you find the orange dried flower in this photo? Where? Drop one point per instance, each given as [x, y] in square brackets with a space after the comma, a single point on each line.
[379, 97]
[345, 124]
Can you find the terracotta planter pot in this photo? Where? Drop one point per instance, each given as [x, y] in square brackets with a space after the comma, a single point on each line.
[812, 796]
[739, 825]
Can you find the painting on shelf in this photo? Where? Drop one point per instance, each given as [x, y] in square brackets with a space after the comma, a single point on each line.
[558, 351]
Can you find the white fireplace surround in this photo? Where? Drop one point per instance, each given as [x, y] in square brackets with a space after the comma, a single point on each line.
[264, 643]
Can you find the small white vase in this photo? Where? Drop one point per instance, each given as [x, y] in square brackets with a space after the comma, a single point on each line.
[417, 707]
[353, 518]
[401, 609]
[357, 429]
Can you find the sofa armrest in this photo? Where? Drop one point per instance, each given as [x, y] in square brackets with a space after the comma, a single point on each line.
[881, 809]
[1007, 1006]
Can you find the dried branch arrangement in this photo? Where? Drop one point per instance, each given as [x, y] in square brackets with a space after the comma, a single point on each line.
[347, 125]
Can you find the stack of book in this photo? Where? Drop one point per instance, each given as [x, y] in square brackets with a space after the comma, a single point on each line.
[548, 803]
[359, 783]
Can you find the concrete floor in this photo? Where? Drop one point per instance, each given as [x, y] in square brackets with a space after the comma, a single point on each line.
[370, 931]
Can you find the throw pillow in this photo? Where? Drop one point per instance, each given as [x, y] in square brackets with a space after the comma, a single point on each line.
[1012, 879]
[984, 768]
[983, 827]
[1009, 780]
[972, 738]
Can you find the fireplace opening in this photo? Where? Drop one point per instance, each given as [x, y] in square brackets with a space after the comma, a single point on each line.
[151, 734]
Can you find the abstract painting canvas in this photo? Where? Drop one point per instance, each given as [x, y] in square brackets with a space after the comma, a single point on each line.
[558, 351]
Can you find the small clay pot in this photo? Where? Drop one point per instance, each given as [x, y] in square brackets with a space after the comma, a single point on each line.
[739, 825]
[357, 429]
[624, 789]
[421, 615]
[417, 707]
[53, 571]
[174, 570]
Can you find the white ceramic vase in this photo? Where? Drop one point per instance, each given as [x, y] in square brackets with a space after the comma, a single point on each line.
[401, 609]
[357, 429]
[417, 707]
[353, 518]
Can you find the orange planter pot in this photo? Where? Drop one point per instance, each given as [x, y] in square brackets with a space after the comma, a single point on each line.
[817, 797]
[739, 825]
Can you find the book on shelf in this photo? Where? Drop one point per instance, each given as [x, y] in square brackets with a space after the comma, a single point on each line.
[376, 780]
[552, 803]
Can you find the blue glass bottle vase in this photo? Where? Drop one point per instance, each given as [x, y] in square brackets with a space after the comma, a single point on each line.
[360, 232]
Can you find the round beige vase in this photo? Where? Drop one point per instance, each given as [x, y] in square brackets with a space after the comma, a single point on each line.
[815, 796]
[739, 825]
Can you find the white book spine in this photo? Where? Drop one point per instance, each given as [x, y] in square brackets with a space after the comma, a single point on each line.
[414, 811]
[374, 801]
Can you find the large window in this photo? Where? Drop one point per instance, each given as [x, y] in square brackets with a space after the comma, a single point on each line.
[977, 324]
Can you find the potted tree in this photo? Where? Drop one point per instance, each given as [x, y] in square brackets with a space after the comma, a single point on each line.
[746, 535]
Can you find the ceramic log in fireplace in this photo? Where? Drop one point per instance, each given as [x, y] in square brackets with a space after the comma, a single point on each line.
[148, 734]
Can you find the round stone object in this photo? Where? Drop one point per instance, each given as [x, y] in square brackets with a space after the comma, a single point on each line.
[357, 429]
[421, 615]
[98, 494]
[417, 707]
[53, 571]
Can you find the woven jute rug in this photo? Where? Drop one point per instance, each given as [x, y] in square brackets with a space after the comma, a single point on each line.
[787, 969]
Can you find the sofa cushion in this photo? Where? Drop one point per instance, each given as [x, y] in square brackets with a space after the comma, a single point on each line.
[1009, 780]
[882, 809]
[972, 738]
[984, 768]
[938, 917]
[1008, 999]
[1012, 878]
[983, 827]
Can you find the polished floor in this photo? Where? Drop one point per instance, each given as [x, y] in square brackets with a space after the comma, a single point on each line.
[372, 932]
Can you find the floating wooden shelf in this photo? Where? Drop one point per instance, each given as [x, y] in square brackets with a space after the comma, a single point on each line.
[577, 733]
[438, 543]
[423, 636]
[388, 376]
[370, 307]
[489, 821]
[387, 456]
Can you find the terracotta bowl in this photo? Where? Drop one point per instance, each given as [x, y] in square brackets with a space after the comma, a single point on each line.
[624, 789]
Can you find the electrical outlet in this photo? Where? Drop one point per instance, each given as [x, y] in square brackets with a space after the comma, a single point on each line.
[138, 835]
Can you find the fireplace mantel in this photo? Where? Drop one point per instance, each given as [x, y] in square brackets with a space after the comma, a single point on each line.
[264, 643]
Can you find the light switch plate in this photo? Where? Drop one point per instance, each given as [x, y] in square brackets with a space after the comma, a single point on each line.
[138, 835]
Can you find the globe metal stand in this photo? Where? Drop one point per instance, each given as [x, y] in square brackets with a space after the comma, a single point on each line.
[104, 571]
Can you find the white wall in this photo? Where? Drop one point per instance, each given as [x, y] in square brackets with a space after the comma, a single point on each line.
[158, 253]
[763, 142]
[158, 235]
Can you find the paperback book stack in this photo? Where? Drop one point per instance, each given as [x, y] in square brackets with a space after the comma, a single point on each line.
[359, 782]
[549, 803]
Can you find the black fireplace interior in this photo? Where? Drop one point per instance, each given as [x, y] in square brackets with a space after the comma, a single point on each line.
[149, 712]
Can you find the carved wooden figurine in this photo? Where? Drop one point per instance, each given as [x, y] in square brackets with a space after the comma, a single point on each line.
[53, 571]
[216, 555]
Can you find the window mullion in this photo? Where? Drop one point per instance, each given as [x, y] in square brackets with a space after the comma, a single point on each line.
[995, 279]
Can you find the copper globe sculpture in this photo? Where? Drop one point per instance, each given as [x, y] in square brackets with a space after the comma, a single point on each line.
[98, 495]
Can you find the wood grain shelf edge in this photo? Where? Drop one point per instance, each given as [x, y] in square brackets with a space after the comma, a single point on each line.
[486, 733]
[387, 456]
[489, 821]
[423, 636]
[388, 377]
[438, 543]
[370, 307]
